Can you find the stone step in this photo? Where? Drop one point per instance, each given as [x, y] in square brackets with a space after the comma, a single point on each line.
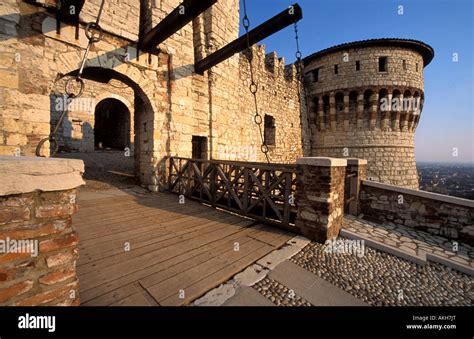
[309, 286]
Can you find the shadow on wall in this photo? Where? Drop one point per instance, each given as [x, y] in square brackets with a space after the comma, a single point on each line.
[75, 132]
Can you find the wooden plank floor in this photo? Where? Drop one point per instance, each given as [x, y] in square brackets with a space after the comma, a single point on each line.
[138, 248]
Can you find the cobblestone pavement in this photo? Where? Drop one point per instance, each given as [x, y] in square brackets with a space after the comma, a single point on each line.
[105, 169]
[382, 279]
[379, 278]
[410, 240]
[279, 294]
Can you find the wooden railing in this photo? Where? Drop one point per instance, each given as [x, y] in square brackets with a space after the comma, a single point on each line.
[261, 191]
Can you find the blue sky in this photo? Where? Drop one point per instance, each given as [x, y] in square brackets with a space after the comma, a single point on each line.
[447, 120]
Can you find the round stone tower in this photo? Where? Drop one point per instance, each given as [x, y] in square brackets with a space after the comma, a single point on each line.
[364, 101]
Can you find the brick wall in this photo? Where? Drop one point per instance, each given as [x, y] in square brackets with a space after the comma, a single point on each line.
[437, 214]
[45, 272]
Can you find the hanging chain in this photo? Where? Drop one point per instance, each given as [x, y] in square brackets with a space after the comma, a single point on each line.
[299, 61]
[300, 71]
[78, 79]
[93, 38]
[253, 86]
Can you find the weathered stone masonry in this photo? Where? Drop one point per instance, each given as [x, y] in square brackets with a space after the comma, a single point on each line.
[170, 103]
[346, 85]
[437, 214]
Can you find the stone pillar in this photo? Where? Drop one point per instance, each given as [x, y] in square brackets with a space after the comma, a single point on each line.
[320, 196]
[396, 123]
[346, 113]
[360, 110]
[332, 112]
[374, 102]
[359, 168]
[322, 125]
[313, 112]
[404, 115]
[38, 244]
[385, 123]
[415, 114]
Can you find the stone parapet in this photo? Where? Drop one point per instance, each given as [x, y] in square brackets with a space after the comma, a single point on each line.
[38, 244]
[437, 214]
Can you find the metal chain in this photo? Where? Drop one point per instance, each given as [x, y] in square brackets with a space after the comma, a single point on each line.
[253, 86]
[299, 70]
[92, 39]
[78, 79]
[299, 62]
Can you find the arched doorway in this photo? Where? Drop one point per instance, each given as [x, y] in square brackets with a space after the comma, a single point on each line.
[142, 114]
[111, 125]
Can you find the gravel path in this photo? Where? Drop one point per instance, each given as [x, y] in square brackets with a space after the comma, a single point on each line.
[279, 294]
[382, 279]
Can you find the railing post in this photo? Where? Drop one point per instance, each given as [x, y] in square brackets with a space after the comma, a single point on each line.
[213, 176]
[359, 167]
[320, 196]
[170, 171]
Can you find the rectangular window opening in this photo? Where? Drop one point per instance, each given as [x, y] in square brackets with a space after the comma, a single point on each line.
[383, 64]
[357, 65]
[336, 69]
[199, 147]
[315, 75]
[269, 130]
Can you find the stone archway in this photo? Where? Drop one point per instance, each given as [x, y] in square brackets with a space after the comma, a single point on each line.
[111, 125]
[141, 120]
[150, 105]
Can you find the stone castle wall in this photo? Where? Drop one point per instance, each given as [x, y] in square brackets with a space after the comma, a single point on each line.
[277, 96]
[346, 115]
[171, 103]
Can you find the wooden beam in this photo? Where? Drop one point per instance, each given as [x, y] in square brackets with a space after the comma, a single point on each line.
[177, 19]
[269, 27]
